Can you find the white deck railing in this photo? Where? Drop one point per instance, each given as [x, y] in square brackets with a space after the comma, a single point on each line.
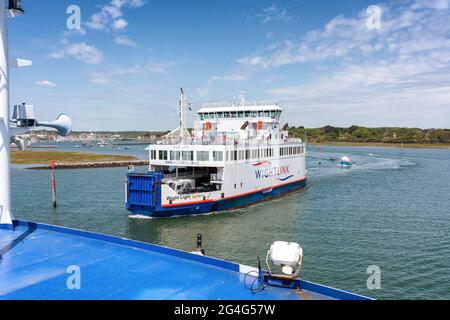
[217, 140]
[240, 103]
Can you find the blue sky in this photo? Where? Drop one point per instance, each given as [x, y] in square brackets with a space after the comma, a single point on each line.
[122, 70]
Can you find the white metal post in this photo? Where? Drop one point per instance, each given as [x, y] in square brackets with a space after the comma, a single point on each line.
[6, 216]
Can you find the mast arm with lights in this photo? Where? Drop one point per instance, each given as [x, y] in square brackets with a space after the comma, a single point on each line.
[23, 114]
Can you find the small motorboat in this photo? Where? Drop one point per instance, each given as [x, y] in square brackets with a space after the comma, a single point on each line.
[346, 162]
[332, 158]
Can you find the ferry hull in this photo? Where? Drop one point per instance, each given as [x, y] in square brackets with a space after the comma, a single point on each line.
[231, 203]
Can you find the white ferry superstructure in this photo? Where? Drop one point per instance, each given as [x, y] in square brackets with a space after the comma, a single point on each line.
[237, 155]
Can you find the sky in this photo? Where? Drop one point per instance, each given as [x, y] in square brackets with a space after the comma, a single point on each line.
[339, 63]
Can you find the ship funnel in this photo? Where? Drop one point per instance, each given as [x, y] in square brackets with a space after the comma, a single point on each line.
[63, 124]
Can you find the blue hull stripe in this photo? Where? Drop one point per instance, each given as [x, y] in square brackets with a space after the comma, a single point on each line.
[217, 206]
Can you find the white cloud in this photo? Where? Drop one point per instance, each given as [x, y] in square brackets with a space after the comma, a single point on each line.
[159, 67]
[114, 75]
[231, 77]
[119, 24]
[434, 4]
[403, 29]
[398, 75]
[124, 40]
[369, 75]
[81, 51]
[85, 53]
[110, 16]
[275, 14]
[45, 83]
[131, 3]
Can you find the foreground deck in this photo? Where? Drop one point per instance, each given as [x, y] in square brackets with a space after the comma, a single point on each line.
[34, 261]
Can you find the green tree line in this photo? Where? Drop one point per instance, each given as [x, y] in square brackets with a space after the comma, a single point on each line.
[365, 134]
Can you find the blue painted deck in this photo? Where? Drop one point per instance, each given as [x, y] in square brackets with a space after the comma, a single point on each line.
[34, 259]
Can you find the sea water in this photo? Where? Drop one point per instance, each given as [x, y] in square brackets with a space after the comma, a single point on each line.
[391, 210]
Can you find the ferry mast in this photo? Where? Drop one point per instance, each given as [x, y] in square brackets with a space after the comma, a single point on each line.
[181, 116]
[23, 115]
[10, 11]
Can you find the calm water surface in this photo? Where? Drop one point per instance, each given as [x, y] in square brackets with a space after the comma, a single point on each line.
[391, 210]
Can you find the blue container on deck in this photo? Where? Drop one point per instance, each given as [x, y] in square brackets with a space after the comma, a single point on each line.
[143, 191]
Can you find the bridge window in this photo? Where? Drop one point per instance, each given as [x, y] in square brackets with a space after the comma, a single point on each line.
[188, 155]
[153, 154]
[274, 114]
[174, 155]
[217, 156]
[202, 155]
[162, 155]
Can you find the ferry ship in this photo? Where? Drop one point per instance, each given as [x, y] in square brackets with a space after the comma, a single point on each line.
[238, 154]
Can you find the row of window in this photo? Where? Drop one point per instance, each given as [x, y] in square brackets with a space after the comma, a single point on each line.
[185, 155]
[289, 151]
[230, 155]
[274, 114]
[249, 154]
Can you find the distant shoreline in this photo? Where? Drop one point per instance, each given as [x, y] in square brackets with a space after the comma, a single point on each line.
[72, 160]
[382, 145]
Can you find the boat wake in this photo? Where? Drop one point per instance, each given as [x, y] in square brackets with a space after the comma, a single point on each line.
[140, 216]
[361, 163]
[381, 163]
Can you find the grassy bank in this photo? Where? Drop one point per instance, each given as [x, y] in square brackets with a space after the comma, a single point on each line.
[45, 157]
[383, 145]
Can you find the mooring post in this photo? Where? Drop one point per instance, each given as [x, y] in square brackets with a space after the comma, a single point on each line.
[200, 249]
[53, 184]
